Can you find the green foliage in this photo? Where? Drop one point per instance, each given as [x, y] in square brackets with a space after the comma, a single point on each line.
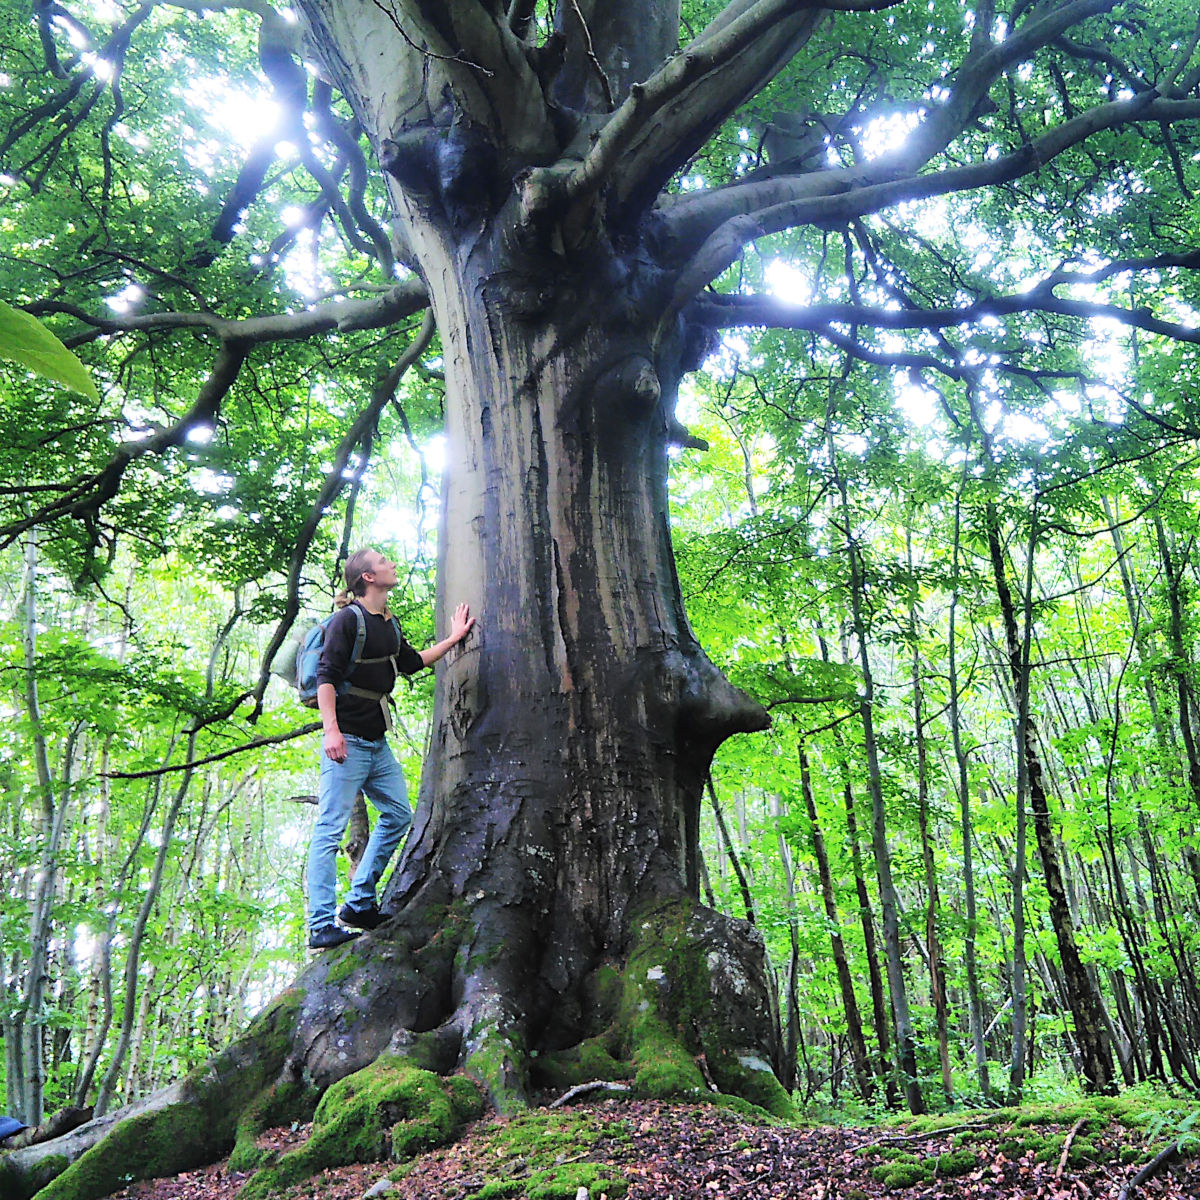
[26, 340]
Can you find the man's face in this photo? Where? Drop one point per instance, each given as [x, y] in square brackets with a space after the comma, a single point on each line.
[381, 572]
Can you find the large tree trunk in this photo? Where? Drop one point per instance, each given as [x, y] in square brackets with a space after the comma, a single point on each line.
[545, 915]
[575, 732]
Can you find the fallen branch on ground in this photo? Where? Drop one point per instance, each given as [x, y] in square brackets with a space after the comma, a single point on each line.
[581, 1089]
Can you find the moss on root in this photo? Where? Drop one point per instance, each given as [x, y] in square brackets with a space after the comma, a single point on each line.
[389, 1109]
[679, 1000]
[191, 1132]
[275, 1105]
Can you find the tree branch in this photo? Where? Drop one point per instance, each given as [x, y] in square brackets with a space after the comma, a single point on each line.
[664, 120]
[865, 192]
[192, 764]
[698, 215]
[374, 312]
[730, 311]
[89, 495]
[336, 479]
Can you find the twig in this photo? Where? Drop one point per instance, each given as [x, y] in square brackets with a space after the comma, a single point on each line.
[923, 1137]
[1066, 1150]
[311, 727]
[591, 53]
[581, 1089]
[1150, 1170]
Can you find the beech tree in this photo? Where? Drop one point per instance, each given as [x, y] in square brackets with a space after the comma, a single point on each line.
[574, 194]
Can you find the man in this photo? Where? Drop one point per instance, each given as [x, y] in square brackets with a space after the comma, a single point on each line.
[356, 756]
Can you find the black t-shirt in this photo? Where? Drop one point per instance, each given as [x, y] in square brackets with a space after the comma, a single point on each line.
[359, 715]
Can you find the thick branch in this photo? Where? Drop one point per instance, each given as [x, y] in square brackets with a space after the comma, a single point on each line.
[666, 119]
[374, 312]
[729, 311]
[865, 192]
[695, 216]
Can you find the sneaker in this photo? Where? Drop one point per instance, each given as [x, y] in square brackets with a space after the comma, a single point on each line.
[361, 918]
[330, 936]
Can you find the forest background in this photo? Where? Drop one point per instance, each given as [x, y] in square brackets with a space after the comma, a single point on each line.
[920, 559]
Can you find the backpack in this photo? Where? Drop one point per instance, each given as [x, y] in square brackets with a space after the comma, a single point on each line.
[302, 671]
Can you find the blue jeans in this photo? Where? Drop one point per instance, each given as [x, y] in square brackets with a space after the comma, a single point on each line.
[371, 768]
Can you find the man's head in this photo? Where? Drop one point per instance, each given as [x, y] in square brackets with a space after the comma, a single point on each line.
[368, 568]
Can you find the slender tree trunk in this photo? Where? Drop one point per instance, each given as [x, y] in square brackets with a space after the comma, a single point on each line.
[112, 1076]
[25, 1088]
[933, 946]
[731, 852]
[858, 1043]
[791, 1013]
[1179, 667]
[1085, 1003]
[966, 832]
[880, 1017]
[906, 1047]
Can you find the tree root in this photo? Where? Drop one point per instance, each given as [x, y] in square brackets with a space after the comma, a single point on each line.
[387, 1110]
[371, 1038]
[186, 1125]
[693, 990]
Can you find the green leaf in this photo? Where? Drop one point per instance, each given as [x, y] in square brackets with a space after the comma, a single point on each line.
[26, 340]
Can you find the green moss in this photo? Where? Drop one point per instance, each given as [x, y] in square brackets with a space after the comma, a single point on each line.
[557, 1183]
[538, 1155]
[976, 1137]
[17, 1187]
[345, 966]
[389, 1109]
[158, 1143]
[275, 1105]
[956, 1162]
[589, 1060]
[271, 1031]
[901, 1175]
[498, 1060]
[662, 1065]
[753, 1079]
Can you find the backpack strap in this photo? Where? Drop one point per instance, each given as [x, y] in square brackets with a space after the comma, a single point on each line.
[356, 659]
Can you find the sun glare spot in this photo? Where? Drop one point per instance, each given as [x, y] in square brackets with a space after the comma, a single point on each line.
[200, 435]
[101, 67]
[126, 299]
[787, 282]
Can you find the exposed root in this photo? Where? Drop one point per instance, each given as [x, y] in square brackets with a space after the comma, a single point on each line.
[390, 1109]
[495, 1050]
[185, 1126]
[692, 991]
[376, 1030]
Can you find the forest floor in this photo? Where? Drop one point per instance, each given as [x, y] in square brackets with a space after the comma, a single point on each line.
[668, 1151]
